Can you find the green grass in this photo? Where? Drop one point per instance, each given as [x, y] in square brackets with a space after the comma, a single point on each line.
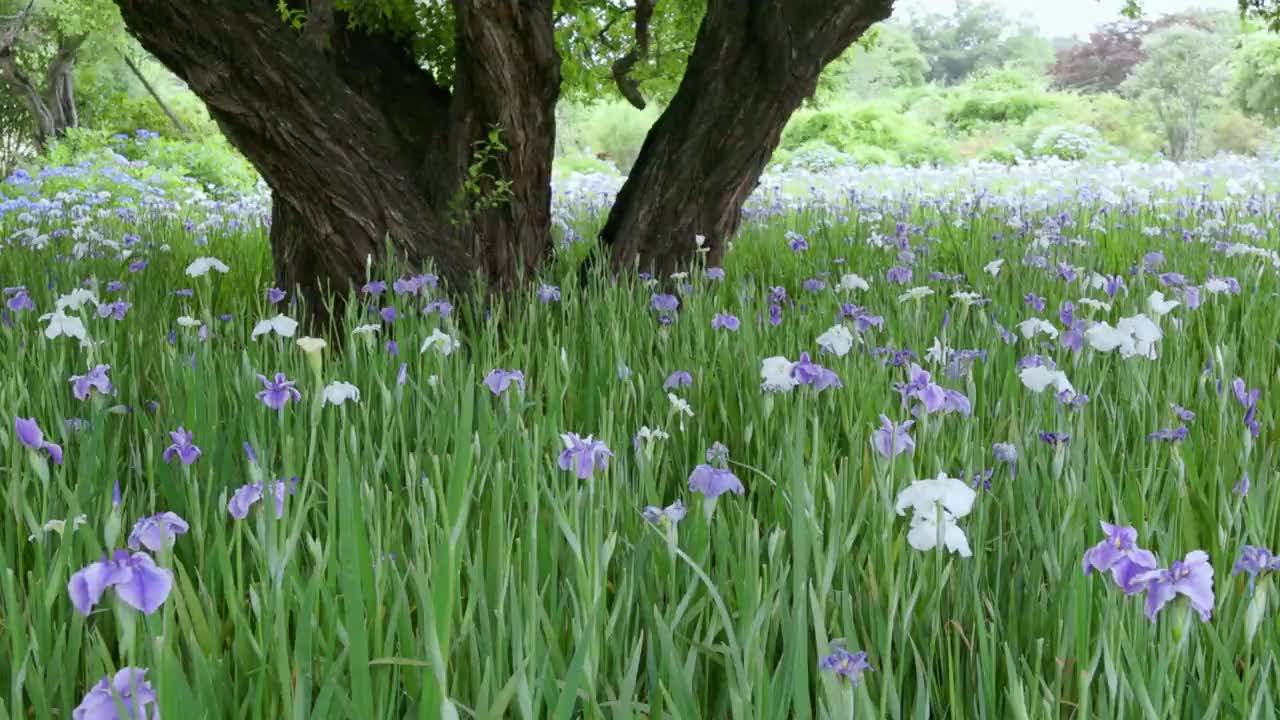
[436, 562]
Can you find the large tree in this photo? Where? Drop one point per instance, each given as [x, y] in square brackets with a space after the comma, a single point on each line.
[429, 126]
[1185, 73]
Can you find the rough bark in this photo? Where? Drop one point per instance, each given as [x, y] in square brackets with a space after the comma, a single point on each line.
[508, 75]
[362, 148]
[755, 61]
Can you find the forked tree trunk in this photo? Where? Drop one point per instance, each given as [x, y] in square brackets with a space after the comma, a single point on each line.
[53, 112]
[755, 61]
[362, 148]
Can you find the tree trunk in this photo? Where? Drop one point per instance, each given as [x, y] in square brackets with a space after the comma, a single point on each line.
[60, 85]
[755, 61]
[146, 84]
[361, 147]
[54, 111]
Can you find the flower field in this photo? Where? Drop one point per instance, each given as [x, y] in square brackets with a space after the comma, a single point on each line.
[978, 442]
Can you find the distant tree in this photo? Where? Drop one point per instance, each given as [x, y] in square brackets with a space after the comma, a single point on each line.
[978, 35]
[1105, 60]
[884, 59]
[1255, 87]
[39, 47]
[1184, 74]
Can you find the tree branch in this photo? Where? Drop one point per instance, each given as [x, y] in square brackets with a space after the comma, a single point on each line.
[11, 33]
[320, 23]
[622, 67]
[137, 72]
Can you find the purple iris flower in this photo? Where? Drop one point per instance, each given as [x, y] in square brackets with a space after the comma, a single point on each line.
[672, 513]
[1242, 486]
[275, 295]
[115, 286]
[138, 581]
[849, 666]
[1055, 439]
[1247, 398]
[549, 294]
[777, 295]
[900, 274]
[1172, 279]
[861, 317]
[114, 310]
[182, 447]
[82, 386]
[712, 482]
[664, 303]
[388, 314]
[1183, 414]
[499, 380]
[723, 321]
[1191, 577]
[243, 499]
[128, 689]
[1120, 555]
[1191, 297]
[276, 392]
[20, 300]
[718, 454]
[715, 273]
[1255, 561]
[920, 386]
[679, 378]
[1036, 302]
[807, 372]
[1114, 284]
[375, 288]
[813, 285]
[137, 266]
[413, 285]
[584, 456]
[798, 243]
[29, 434]
[775, 315]
[891, 439]
[1174, 435]
[1153, 260]
[184, 292]
[444, 307]
[157, 531]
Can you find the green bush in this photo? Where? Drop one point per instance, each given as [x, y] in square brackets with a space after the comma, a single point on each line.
[869, 132]
[1004, 154]
[144, 157]
[578, 162]
[1067, 141]
[613, 128]
[1237, 133]
[970, 111]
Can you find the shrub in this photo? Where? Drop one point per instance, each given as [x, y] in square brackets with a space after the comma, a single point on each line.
[1237, 133]
[969, 111]
[1067, 142]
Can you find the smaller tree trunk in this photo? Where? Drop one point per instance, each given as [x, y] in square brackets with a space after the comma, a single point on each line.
[146, 84]
[754, 63]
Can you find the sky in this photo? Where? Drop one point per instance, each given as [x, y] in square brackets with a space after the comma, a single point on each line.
[1059, 18]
